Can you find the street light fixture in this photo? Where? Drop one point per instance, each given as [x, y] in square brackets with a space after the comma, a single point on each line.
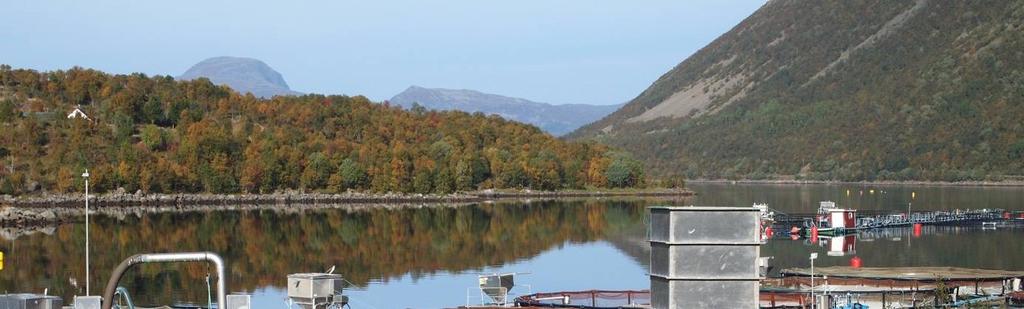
[86, 176]
[814, 256]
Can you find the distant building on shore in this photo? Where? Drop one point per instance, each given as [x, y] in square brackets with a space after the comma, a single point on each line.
[78, 113]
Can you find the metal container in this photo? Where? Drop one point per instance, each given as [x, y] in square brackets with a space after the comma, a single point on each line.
[667, 293]
[238, 301]
[30, 301]
[88, 302]
[704, 257]
[705, 225]
[311, 289]
[496, 286]
[704, 261]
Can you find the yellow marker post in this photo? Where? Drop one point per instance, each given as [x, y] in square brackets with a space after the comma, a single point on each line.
[913, 195]
[1, 260]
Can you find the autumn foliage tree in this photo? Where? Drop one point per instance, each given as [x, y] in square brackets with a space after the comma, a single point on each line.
[156, 134]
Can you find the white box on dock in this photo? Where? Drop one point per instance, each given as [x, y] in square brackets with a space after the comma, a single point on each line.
[238, 301]
[705, 262]
[29, 301]
[704, 257]
[310, 288]
[667, 293]
[87, 302]
[705, 225]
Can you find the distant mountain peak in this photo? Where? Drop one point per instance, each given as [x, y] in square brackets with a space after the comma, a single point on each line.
[242, 74]
[554, 119]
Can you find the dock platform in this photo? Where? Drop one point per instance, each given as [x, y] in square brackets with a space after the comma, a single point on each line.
[924, 274]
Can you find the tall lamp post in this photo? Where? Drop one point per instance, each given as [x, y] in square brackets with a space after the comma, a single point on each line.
[814, 256]
[86, 176]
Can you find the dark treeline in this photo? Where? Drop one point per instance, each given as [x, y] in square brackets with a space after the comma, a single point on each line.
[156, 134]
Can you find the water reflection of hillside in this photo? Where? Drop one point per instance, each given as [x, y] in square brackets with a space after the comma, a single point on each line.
[959, 246]
[633, 242]
[261, 247]
[934, 246]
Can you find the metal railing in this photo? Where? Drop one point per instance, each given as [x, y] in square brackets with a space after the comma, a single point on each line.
[122, 294]
[115, 277]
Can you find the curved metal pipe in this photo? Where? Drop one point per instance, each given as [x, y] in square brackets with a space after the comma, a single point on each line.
[124, 293]
[115, 277]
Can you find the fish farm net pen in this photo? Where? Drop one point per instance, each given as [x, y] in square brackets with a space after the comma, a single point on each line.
[592, 299]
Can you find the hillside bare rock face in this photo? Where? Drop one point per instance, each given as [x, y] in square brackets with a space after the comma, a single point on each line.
[554, 119]
[241, 74]
[840, 90]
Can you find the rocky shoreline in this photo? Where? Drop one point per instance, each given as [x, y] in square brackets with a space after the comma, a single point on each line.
[61, 208]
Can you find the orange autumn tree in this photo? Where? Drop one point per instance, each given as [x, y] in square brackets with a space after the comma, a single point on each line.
[155, 134]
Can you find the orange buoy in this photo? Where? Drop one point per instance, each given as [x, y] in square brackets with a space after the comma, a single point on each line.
[855, 262]
[917, 230]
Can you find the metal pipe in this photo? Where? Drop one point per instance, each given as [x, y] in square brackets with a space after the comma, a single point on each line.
[124, 293]
[108, 293]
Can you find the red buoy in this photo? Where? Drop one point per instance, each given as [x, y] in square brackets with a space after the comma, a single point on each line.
[768, 232]
[917, 230]
[855, 262]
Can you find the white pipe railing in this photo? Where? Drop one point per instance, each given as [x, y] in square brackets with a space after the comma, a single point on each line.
[108, 293]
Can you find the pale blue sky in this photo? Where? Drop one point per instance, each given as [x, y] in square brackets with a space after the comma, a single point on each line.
[556, 51]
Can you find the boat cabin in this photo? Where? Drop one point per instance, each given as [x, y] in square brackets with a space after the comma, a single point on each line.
[830, 216]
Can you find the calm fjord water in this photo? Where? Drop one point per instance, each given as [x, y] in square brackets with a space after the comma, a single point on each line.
[429, 257]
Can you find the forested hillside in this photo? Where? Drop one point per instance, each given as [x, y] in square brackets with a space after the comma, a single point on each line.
[841, 90]
[156, 134]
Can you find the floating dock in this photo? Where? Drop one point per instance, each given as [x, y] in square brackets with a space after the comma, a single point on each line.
[906, 286]
[833, 221]
[876, 287]
[919, 274]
